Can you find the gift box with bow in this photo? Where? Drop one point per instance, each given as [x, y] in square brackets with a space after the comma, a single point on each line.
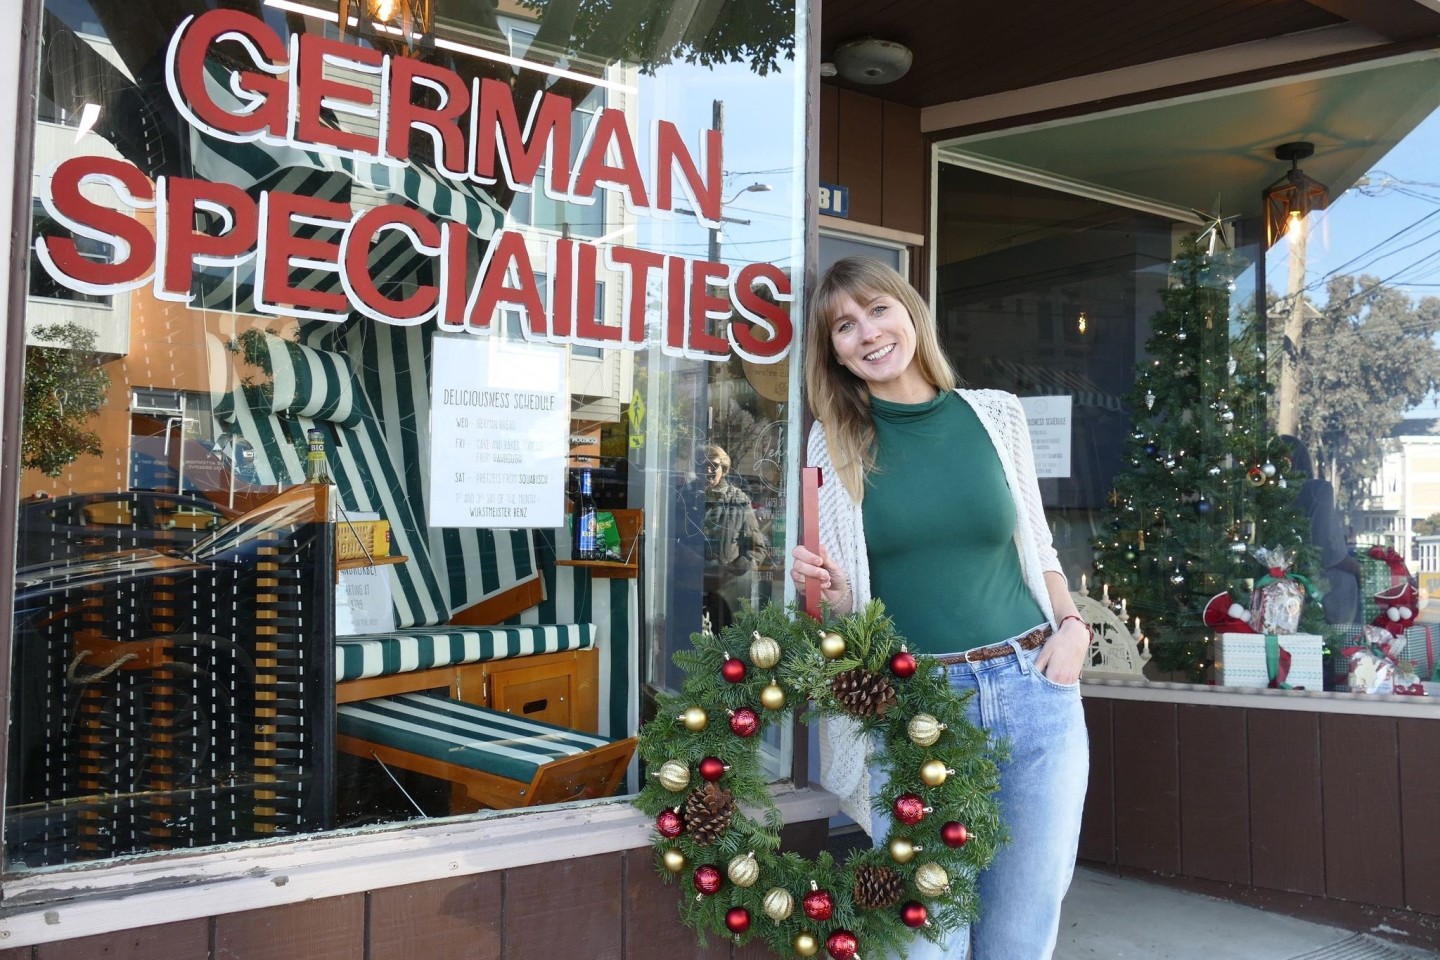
[1248, 658]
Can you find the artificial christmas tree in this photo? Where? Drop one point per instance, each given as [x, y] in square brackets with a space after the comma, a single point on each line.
[1201, 481]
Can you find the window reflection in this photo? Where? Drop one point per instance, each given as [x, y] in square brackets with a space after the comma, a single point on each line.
[240, 614]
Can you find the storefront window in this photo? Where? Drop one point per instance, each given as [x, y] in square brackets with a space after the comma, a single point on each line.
[377, 369]
[1231, 417]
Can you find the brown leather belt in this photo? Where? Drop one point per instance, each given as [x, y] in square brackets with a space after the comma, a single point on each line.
[1030, 641]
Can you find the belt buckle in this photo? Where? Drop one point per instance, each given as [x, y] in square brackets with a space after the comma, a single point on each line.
[966, 655]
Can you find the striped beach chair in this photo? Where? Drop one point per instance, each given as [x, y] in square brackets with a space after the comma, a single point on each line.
[456, 585]
[500, 760]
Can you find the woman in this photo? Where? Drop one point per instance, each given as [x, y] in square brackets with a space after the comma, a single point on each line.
[930, 503]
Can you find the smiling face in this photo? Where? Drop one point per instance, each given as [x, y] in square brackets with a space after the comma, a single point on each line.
[875, 341]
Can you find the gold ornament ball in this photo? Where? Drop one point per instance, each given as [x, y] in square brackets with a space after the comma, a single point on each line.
[695, 719]
[772, 697]
[674, 860]
[832, 645]
[674, 776]
[744, 871]
[806, 945]
[933, 773]
[924, 729]
[902, 850]
[764, 651]
[931, 879]
[778, 904]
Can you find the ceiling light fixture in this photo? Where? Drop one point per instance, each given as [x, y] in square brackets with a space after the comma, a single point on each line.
[1293, 195]
[872, 61]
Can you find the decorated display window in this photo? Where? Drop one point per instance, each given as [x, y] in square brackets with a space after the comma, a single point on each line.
[1222, 325]
[404, 384]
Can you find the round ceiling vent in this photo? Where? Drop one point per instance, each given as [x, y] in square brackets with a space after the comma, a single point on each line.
[869, 60]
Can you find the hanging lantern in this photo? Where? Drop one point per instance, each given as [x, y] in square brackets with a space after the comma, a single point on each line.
[1293, 195]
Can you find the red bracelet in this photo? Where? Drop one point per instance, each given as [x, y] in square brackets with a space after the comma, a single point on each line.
[1075, 616]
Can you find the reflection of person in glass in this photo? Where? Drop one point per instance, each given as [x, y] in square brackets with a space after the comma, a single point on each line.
[1327, 534]
[733, 543]
[929, 502]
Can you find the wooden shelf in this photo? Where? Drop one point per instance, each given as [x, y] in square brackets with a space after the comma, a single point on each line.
[355, 563]
[629, 524]
[611, 569]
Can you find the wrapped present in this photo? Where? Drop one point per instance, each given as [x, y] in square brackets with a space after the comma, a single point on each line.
[1381, 568]
[1287, 661]
[1279, 597]
[1377, 663]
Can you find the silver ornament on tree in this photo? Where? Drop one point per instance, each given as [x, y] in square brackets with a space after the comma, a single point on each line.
[764, 651]
[1149, 399]
[743, 871]
[931, 879]
[673, 776]
[923, 729]
[779, 904]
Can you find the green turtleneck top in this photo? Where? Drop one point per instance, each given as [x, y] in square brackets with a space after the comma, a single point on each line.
[940, 529]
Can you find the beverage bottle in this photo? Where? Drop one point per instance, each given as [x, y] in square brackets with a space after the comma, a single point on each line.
[586, 520]
[315, 471]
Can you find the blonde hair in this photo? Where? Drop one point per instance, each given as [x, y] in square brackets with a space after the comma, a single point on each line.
[839, 399]
[718, 454]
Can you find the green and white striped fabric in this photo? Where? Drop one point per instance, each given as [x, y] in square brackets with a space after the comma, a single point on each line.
[358, 658]
[376, 470]
[462, 733]
[613, 606]
[310, 383]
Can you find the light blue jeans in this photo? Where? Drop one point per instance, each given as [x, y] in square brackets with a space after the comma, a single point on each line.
[1042, 793]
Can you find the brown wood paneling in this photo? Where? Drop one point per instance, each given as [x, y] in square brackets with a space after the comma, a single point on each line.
[189, 940]
[17, 953]
[1362, 809]
[859, 130]
[1097, 827]
[970, 50]
[904, 168]
[1147, 786]
[453, 919]
[1286, 836]
[652, 915]
[1420, 812]
[565, 909]
[1214, 794]
[829, 133]
[329, 929]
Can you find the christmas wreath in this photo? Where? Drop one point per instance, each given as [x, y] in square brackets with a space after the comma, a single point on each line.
[717, 827]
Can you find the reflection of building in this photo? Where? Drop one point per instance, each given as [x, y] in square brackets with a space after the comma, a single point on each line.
[1404, 491]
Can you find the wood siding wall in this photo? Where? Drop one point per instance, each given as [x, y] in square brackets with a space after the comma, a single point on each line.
[1324, 809]
[875, 148]
[603, 907]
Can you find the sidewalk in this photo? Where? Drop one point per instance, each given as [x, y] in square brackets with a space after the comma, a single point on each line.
[1118, 918]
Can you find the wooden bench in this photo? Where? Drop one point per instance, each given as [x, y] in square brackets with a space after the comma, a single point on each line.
[499, 759]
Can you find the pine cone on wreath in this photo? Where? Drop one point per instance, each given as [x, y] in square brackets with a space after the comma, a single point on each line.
[708, 812]
[863, 692]
[877, 888]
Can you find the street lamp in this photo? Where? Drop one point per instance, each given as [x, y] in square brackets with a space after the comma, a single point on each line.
[713, 253]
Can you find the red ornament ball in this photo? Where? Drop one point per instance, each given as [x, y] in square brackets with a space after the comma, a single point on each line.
[842, 945]
[732, 670]
[712, 768]
[669, 824]
[914, 914]
[903, 665]
[737, 919]
[707, 879]
[909, 809]
[954, 834]
[744, 722]
[818, 905]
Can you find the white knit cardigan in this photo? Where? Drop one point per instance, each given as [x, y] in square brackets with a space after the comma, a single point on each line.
[843, 754]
